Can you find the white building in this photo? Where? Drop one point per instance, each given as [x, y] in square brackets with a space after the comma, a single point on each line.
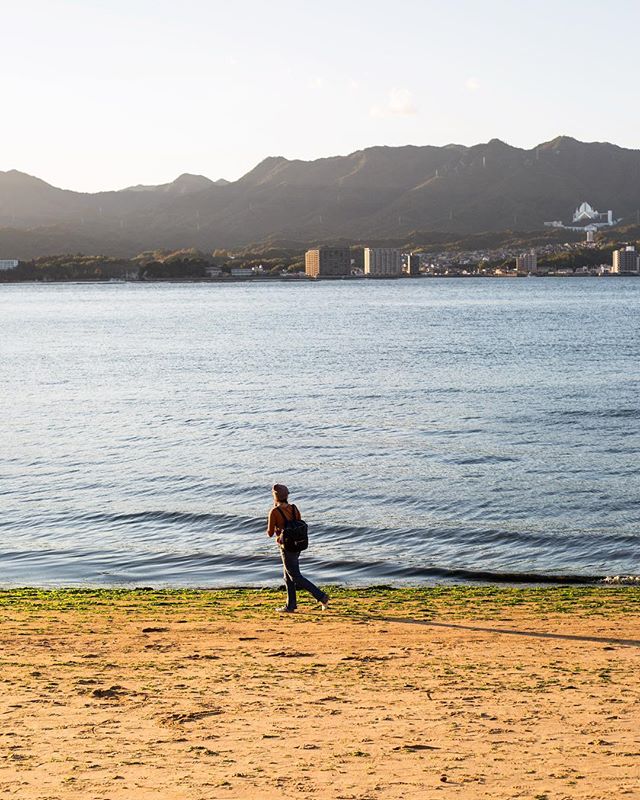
[585, 213]
[8, 263]
[527, 263]
[382, 261]
[625, 260]
[585, 217]
[412, 264]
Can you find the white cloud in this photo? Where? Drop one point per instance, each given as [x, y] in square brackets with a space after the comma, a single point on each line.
[400, 103]
[472, 84]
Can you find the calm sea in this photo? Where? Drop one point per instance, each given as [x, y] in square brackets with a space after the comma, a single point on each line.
[429, 430]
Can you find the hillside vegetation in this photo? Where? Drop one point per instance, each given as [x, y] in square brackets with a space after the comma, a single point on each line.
[398, 195]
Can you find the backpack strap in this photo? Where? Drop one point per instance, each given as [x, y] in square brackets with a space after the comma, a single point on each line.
[295, 514]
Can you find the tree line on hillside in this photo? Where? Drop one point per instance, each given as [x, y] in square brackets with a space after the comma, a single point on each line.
[153, 265]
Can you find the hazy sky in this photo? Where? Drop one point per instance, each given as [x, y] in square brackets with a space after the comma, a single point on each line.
[101, 95]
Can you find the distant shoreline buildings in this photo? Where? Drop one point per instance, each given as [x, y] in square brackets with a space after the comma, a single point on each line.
[353, 261]
[527, 264]
[626, 261]
[382, 262]
[327, 262]
[378, 262]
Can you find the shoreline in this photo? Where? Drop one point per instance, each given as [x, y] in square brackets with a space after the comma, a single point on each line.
[322, 279]
[456, 579]
[477, 599]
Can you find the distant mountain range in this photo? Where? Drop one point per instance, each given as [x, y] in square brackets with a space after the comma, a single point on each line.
[378, 194]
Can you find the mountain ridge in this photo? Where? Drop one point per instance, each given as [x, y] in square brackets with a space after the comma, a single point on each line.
[380, 192]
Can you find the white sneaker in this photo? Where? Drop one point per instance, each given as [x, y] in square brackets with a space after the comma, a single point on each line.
[325, 603]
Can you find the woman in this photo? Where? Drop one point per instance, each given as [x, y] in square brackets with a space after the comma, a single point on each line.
[281, 512]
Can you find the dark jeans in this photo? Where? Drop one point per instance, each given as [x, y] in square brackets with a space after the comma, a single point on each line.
[294, 578]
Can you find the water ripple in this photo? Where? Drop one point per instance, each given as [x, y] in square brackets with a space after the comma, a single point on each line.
[432, 431]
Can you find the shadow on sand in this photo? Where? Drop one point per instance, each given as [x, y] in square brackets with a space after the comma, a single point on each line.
[512, 631]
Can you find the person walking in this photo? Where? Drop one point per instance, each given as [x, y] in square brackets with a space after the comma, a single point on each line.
[281, 513]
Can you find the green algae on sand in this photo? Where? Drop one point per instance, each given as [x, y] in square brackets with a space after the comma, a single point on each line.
[428, 603]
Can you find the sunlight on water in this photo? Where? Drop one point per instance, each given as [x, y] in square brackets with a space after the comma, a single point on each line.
[430, 430]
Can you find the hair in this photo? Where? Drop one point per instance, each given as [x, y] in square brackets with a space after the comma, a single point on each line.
[282, 493]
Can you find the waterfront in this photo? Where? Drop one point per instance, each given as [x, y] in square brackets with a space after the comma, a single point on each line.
[430, 430]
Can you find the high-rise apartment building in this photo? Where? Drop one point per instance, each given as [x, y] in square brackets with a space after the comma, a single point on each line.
[526, 263]
[412, 264]
[625, 260]
[382, 261]
[329, 262]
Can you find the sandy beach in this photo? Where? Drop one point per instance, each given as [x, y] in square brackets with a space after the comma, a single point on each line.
[470, 693]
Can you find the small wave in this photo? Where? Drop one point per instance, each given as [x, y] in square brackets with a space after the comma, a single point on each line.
[490, 459]
[605, 413]
[517, 577]
[412, 573]
[164, 517]
[620, 580]
[217, 569]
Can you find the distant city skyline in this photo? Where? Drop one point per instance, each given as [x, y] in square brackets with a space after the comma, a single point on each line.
[100, 96]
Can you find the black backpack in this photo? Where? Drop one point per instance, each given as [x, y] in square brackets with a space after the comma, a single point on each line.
[295, 535]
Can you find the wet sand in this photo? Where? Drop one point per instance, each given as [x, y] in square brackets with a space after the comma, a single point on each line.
[213, 695]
